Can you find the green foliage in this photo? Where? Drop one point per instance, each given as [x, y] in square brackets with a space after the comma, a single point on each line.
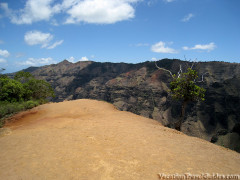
[38, 89]
[34, 88]
[21, 93]
[10, 90]
[23, 77]
[184, 87]
[24, 87]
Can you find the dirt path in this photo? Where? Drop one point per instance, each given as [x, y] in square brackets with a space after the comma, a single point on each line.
[88, 139]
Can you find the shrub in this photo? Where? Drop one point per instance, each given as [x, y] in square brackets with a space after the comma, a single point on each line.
[21, 93]
[10, 90]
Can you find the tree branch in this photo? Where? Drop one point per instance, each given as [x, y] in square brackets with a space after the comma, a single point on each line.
[180, 71]
[193, 63]
[164, 69]
[203, 77]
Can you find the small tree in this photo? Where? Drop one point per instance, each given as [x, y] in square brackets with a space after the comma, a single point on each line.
[39, 89]
[23, 77]
[34, 88]
[183, 88]
[10, 90]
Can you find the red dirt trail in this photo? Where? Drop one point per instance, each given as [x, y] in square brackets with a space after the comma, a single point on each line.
[91, 140]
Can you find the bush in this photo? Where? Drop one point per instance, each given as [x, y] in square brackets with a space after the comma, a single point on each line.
[21, 93]
[34, 88]
[39, 89]
[10, 90]
[31, 104]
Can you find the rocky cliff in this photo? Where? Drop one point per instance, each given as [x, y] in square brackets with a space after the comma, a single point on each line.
[144, 90]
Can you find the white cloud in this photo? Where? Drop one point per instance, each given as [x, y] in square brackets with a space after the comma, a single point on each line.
[209, 47]
[88, 11]
[160, 47]
[101, 11]
[151, 2]
[83, 59]
[2, 60]
[37, 38]
[37, 62]
[154, 59]
[57, 43]
[4, 7]
[71, 59]
[34, 11]
[4, 53]
[188, 17]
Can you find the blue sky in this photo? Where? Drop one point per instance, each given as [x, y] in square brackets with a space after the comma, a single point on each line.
[41, 32]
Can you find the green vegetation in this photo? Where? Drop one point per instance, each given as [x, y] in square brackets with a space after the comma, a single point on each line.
[21, 93]
[184, 88]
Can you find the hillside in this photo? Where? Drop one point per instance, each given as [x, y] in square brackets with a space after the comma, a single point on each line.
[143, 90]
[89, 139]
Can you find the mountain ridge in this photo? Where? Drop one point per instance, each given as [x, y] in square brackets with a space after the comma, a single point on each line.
[144, 90]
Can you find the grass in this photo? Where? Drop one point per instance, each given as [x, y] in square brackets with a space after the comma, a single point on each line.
[8, 109]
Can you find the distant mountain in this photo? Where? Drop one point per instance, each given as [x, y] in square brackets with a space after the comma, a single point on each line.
[144, 90]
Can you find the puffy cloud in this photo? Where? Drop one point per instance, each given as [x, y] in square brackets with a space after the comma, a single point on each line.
[71, 59]
[186, 48]
[57, 43]
[83, 59]
[151, 2]
[2, 60]
[101, 11]
[39, 38]
[34, 10]
[4, 7]
[89, 11]
[4, 53]
[209, 47]
[160, 47]
[37, 62]
[154, 59]
[188, 17]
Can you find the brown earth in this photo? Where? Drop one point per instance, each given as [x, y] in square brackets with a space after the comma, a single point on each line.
[88, 139]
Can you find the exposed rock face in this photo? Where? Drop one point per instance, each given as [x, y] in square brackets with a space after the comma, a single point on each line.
[144, 90]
